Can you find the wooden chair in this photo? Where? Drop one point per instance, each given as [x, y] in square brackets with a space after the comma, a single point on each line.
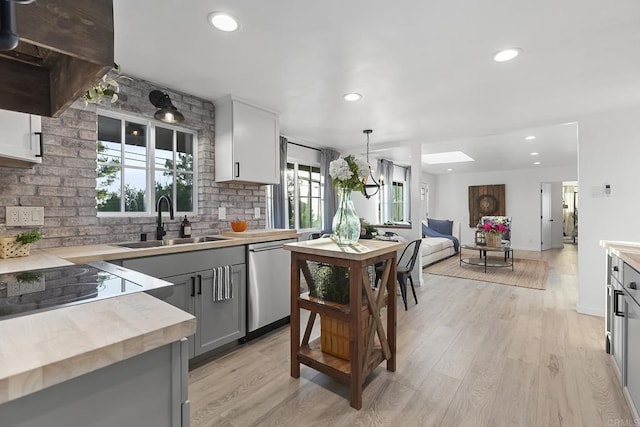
[406, 262]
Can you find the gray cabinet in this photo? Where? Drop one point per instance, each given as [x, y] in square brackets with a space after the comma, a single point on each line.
[618, 329]
[632, 368]
[148, 390]
[219, 322]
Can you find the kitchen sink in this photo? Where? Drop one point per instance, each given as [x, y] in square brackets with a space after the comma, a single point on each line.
[169, 242]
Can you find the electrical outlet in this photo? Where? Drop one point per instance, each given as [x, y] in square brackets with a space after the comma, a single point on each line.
[222, 212]
[257, 212]
[25, 215]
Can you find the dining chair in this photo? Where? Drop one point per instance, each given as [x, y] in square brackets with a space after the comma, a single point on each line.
[406, 262]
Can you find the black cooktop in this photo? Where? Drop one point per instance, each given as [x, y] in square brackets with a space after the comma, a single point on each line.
[28, 291]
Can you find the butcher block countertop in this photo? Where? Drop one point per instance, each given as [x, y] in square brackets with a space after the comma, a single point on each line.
[629, 252]
[47, 348]
[54, 257]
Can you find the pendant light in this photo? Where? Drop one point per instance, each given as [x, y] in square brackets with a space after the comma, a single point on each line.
[167, 112]
[372, 188]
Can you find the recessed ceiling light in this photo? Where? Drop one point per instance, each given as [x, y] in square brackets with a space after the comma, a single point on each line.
[507, 54]
[534, 154]
[530, 138]
[352, 97]
[536, 163]
[223, 21]
[449, 157]
[449, 170]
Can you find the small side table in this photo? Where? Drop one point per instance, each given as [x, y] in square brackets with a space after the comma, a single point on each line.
[483, 259]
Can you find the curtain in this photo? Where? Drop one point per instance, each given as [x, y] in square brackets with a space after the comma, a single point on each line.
[278, 191]
[328, 155]
[407, 194]
[386, 166]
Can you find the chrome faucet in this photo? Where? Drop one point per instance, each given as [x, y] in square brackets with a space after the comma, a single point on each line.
[160, 232]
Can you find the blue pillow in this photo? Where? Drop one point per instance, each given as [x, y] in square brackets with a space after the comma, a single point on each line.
[443, 226]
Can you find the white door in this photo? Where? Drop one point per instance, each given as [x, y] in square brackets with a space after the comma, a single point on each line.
[546, 220]
[424, 200]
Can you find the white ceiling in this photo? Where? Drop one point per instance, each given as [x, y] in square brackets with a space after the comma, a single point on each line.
[424, 68]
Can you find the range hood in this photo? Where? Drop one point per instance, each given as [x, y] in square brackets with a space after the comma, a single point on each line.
[65, 47]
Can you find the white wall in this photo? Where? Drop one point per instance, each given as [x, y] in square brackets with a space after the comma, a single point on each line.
[608, 153]
[522, 192]
[431, 181]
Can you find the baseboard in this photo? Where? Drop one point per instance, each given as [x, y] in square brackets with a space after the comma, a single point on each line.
[592, 311]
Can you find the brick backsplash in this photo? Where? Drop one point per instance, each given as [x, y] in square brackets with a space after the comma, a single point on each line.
[65, 181]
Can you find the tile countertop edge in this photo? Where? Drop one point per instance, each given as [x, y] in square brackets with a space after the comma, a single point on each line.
[29, 364]
[629, 252]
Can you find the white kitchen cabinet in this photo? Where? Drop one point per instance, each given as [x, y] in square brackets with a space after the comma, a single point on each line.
[246, 143]
[20, 139]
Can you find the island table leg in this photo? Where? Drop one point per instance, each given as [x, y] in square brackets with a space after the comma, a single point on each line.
[295, 315]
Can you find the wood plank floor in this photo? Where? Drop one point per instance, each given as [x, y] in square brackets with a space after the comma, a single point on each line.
[469, 354]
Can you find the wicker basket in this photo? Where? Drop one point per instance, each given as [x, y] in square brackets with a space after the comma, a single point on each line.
[334, 335]
[493, 240]
[9, 248]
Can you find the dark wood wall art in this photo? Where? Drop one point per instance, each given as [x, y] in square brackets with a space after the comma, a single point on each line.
[485, 200]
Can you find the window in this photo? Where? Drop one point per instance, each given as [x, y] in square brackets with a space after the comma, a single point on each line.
[304, 196]
[397, 201]
[139, 161]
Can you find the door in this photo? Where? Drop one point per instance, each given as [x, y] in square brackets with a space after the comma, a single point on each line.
[546, 220]
[220, 321]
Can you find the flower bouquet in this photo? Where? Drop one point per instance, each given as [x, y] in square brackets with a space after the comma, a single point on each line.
[348, 174]
[494, 228]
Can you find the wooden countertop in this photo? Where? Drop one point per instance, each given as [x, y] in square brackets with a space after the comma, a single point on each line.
[362, 250]
[629, 252]
[54, 257]
[47, 348]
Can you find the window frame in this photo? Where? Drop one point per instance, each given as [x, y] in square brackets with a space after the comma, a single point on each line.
[150, 169]
[296, 190]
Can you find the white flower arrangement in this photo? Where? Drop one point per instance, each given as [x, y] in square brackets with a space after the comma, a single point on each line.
[348, 172]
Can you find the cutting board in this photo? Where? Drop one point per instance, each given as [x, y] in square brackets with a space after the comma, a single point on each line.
[272, 232]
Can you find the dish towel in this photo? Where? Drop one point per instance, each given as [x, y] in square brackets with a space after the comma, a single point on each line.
[222, 283]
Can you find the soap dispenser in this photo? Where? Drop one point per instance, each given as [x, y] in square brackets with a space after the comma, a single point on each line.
[185, 228]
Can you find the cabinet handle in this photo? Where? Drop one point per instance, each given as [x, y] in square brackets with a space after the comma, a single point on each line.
[41, 153]
[615, 303]
[615, 268]
[199, 284]
[632, 285]
[237, 166]
[193, 286]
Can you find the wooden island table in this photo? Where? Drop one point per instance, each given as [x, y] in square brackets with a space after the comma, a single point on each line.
[365, 304]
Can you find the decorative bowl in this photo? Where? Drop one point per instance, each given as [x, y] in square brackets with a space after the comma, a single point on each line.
[239, 226]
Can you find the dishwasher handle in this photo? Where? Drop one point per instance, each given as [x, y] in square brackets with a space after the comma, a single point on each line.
[268, 248]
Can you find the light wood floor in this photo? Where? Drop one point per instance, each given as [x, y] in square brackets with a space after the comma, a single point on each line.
[469, 354]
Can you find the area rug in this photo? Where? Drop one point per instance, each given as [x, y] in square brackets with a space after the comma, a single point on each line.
[527, 273]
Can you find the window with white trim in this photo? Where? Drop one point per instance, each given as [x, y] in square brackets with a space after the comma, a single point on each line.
[139, 161]
[304, 196]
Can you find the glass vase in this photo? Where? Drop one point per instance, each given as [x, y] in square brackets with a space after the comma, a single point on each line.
[346, 224]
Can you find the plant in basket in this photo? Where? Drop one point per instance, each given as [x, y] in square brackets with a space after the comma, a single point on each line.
[494, 229]
[18, 246]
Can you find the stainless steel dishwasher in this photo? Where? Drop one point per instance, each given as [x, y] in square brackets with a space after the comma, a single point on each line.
[269, 287]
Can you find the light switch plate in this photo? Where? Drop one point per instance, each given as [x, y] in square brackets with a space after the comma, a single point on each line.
[25, 215]
[257, 212]
[222, 212]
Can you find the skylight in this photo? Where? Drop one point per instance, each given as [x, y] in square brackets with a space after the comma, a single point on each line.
[448, 157]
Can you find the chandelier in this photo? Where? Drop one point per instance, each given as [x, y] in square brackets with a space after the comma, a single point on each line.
[371, 186]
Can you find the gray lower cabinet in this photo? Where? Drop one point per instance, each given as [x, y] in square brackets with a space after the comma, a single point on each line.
[633, 352]
[618, 330]
[148, 390]
[219, 322]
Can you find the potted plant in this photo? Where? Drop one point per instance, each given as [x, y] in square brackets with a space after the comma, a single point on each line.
[19, 245]
[106, 87]
[367, 231]
[494, 230]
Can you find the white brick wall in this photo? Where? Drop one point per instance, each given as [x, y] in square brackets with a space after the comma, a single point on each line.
[65, 182]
